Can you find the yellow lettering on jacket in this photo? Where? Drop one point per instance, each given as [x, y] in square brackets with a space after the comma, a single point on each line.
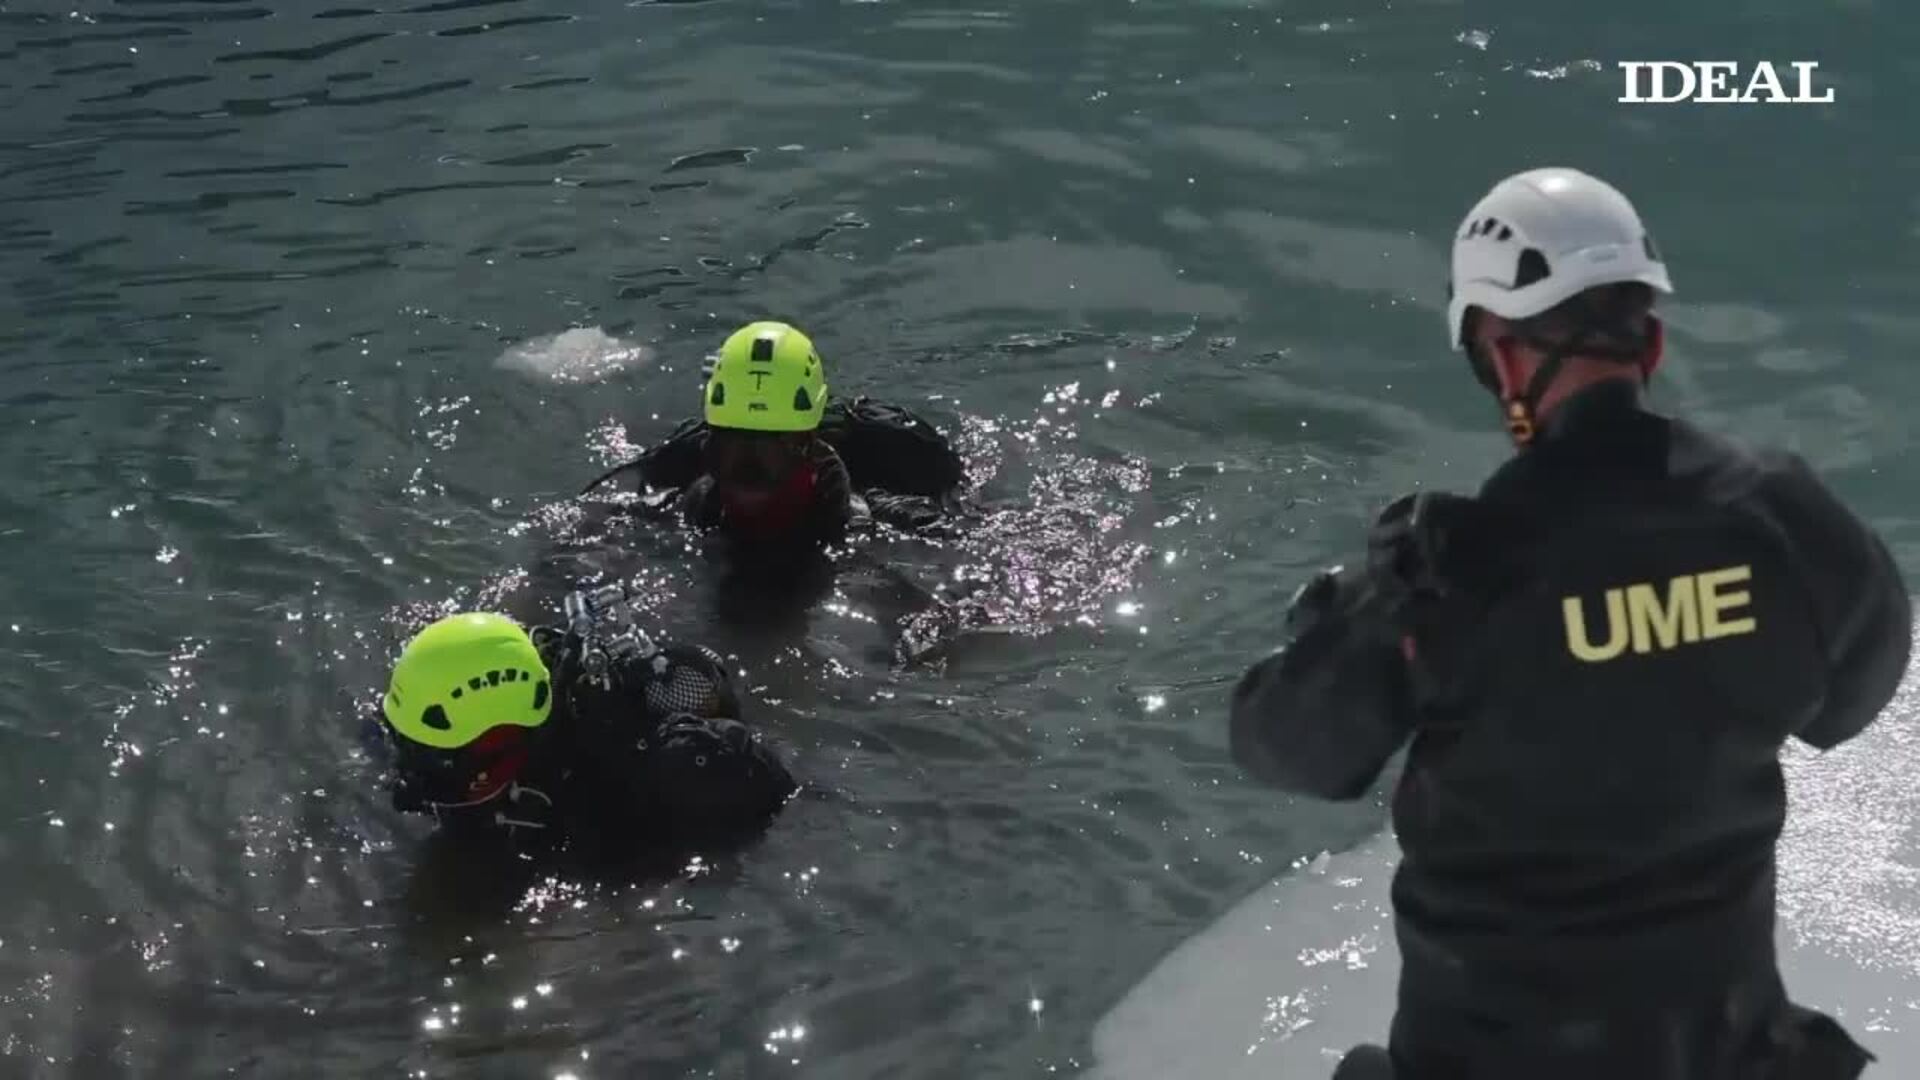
[1715, 601]
[1642, 616]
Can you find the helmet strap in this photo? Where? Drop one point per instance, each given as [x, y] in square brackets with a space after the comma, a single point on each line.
[1522, 409]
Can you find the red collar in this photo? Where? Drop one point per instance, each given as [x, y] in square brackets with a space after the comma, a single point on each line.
[780, 513]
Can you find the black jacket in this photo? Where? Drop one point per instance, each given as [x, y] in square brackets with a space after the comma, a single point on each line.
[1637, 615]
[651, 756]
[877, 462]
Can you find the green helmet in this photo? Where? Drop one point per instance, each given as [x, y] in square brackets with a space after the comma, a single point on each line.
[767, 378]
[464, 676]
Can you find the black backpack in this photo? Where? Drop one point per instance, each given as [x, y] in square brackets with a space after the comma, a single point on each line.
[894, 449]
[889, 447]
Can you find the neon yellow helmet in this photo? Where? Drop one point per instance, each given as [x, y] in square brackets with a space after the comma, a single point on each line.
[462, 677]
[768, 377]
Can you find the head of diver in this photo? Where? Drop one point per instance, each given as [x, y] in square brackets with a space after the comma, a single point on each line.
[1554, 278]
[465, 704]
[764, 401]
[752, 467]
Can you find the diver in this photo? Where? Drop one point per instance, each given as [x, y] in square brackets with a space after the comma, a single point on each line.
[774, 465]
[587, 735]
[1594, 665]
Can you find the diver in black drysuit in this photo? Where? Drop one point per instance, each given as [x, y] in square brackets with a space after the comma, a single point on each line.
[643, 752]
[869, 462]
[1595, 662]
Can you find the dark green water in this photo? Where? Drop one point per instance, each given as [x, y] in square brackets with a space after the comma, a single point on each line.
[1174, 268]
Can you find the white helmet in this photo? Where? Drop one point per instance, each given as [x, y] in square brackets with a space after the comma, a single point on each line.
[1542, 236]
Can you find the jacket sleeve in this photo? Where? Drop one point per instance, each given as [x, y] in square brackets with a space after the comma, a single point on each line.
[1322, 715]
[676, 462]
[1859, 600]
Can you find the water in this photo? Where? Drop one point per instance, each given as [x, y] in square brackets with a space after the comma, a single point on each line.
[1173, 270]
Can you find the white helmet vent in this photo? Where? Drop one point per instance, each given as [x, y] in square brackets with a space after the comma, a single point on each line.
[1487, 225]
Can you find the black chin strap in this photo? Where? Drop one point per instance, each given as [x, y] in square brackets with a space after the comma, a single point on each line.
[1522, 409]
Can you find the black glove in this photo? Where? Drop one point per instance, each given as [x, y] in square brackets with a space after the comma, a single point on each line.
[709, 773]
[695, 737]
[1423, 555]
[1335, 613]
[1431, 558]
[1313, 601]
[1425, 548]
[909, 512]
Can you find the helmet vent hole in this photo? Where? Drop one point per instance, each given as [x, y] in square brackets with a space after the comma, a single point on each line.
[435, 717]
[510, 675]
[493, 678]
[1646, 244]
[476, 683]
[456, 693]
[719, 395]
[802, 401]
[540, 695]
[762, 350]
[1533, 267]
[1506, 233]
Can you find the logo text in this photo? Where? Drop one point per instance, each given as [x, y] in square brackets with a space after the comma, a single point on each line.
[1719, 82]
[1692, 608]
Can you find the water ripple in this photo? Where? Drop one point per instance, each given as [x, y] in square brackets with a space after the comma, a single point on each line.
[310, 52]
